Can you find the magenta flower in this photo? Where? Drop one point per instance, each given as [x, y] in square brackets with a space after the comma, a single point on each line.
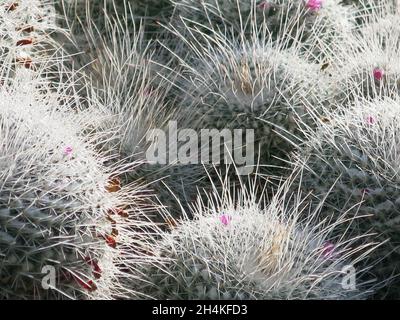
[365, 191]
[147, 92]
[263, 5]
[225, 219]
[378, 73]
[370, 120]
[68, 151]
[314, 5]
[328, 250]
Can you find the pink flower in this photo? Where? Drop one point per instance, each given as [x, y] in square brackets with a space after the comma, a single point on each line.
[314, 5]
[370, 120]
[365, 191]
[148, 92]
[328, 250]
[225, 219]
[378, 73]
[68, 151]
[263, 5]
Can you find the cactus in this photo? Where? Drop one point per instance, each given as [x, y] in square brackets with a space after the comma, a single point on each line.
[354, 156]
[373, 7]
[317, 23]
[252, 85]
[236, 249]
[140, 8]
[60, 207]
[123, 78]
[369, 68]
[82, 86]
[225, 13]
[381, 27]
[80, 14]
[25, 29]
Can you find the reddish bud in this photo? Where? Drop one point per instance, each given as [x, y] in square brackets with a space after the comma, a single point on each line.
[89, 285]
[110, 240]
[24, 42]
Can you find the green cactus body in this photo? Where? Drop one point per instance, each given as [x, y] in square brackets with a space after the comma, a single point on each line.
[356, 155]
[370, 68]
[125, 84]
[54, 200]
[235, 250]
[92, 12]
[298, 20]
[258, 87]
[25, 28]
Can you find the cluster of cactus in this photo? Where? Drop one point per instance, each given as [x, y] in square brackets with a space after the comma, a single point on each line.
[233, 248]
[352, 161]
[60, 206]
[351, 156]
[86, 213]
[68, 229]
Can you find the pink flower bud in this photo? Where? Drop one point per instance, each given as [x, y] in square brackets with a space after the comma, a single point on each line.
[370, 120]
[328, 250]
[68, 151]
[365, 191]
[378, 74]
[264, 5]
[314, 5]
[225, 219]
